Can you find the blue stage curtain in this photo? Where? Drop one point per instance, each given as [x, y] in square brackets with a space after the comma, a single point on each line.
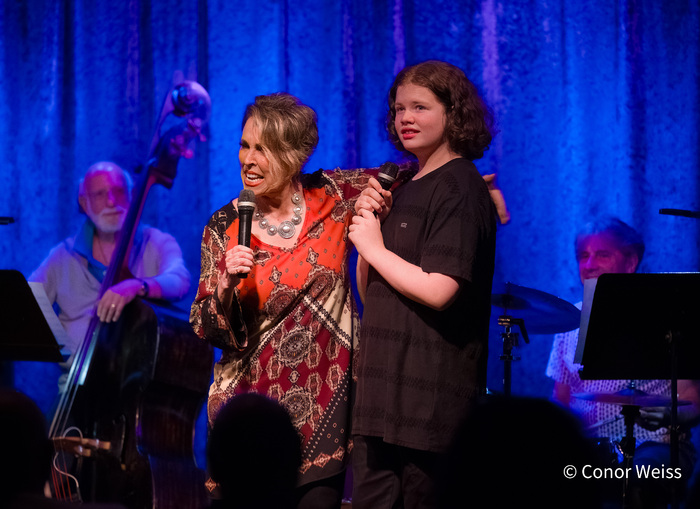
[596, 102]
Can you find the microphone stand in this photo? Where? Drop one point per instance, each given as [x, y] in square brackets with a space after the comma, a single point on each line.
[674, 428]
[680, 212]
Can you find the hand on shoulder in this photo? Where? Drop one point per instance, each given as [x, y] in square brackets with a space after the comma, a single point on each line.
[497, 198]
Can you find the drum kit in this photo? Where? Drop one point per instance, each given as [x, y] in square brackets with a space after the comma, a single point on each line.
[546, 314]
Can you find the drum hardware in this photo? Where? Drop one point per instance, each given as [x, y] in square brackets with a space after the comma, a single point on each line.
[631, 399]
[544, 314]
[643, 327]
[608, 452]
[629, 396]
[630, 412]
[604, 422]
[510, 340]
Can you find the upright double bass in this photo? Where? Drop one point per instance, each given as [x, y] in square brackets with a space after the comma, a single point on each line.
[124, 426]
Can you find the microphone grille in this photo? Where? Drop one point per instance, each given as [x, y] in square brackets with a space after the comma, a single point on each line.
[246, 199]
[389, 170]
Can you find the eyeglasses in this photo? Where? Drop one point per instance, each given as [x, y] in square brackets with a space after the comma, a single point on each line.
[117, 194]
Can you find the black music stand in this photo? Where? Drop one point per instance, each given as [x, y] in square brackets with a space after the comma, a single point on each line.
[641, 327]
[26, 334]
[634, 322]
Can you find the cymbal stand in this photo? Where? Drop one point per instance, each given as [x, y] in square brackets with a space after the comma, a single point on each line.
[628, 445]
[510, 340]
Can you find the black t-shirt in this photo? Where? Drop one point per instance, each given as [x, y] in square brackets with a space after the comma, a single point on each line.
[419, 369]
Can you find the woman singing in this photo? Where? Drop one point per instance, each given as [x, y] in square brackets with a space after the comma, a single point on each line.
[282, 310]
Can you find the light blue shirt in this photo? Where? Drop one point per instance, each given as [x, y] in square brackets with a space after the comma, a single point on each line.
[72, 276]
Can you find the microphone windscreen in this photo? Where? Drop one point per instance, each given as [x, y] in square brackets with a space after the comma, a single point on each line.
[246, 199]
[246, 207]
[387, 174]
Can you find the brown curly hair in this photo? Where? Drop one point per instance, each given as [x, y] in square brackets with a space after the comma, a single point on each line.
[287, 129]
[469, 121]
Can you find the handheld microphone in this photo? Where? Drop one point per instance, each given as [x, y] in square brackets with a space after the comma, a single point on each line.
[387, 175]
[246, 207]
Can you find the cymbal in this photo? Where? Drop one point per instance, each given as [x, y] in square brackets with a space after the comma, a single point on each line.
[629, 396]
[541, 312]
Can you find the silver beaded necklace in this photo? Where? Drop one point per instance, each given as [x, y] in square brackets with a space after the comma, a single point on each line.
[287, 228]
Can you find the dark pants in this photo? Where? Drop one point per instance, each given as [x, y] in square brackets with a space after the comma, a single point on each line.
[323, 494]
[388, 476]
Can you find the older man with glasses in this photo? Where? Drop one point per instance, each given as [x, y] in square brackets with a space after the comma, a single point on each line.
[73, 271]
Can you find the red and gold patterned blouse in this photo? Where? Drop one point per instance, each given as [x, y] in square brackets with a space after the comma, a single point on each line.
[294, 325]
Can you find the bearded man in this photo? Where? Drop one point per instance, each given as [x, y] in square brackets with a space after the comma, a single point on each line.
[73, 272]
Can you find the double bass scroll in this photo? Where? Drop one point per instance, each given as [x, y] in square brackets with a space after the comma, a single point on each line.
[125, 422]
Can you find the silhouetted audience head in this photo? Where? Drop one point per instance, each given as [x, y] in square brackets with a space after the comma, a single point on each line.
[254, 454]
[513, 452]
[26, 449]
[28, 453]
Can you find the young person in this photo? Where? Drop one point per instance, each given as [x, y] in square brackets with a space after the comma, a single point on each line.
[425, 268]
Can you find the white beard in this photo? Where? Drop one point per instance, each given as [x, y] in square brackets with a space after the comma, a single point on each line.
[105, 223]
